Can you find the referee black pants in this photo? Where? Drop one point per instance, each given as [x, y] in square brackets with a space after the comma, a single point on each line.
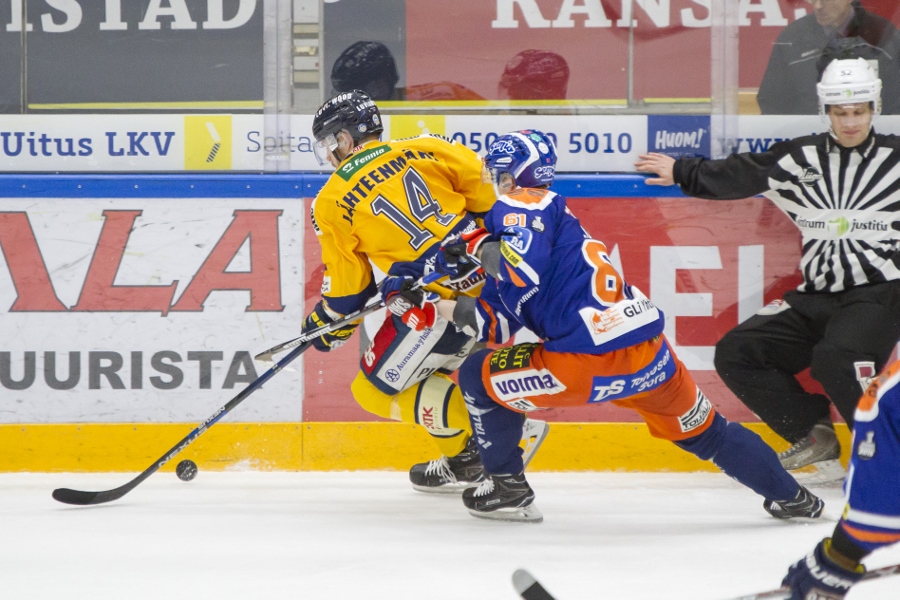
[843, 337]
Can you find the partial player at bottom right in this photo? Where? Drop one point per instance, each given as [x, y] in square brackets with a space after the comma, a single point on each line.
[871, 518]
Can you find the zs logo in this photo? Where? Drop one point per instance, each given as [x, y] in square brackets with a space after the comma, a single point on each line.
[503, 147]
[602, 392]
[544, 172]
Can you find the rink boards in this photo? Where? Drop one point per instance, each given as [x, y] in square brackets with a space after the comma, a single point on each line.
[130, 308]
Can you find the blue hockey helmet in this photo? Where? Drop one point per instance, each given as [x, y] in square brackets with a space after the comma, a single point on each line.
[354, 112]
[527, 155]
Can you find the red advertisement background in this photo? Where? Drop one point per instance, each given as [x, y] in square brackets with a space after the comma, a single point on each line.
[634, 225]
[454, 41]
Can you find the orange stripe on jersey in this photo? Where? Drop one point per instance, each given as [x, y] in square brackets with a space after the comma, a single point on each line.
[527, 195]
[877, 537]
[514, 278]
[493, 324]
[871, 396]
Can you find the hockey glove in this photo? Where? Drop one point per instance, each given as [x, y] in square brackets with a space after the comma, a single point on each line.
[817, 576]
[415, 307]
[321, 316]
[458, 256]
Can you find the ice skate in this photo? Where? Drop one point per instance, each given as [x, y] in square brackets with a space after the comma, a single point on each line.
[805, 504]
[449, 475]
[820, 450]
[503, 498]
[533, 434]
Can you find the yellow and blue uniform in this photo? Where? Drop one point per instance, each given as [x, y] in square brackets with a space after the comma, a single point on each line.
[393, 202]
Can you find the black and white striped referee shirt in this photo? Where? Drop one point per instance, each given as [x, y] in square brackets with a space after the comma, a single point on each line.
[845, 202]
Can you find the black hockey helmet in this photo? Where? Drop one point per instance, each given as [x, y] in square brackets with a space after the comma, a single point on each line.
[354, 112]
[366, 66]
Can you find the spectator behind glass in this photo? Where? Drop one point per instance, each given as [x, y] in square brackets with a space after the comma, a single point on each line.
[370, 66]
[534, 75]
[367, 66]
[836, 29]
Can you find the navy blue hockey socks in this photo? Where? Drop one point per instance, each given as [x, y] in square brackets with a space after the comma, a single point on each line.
[496, 429]
[743, 456]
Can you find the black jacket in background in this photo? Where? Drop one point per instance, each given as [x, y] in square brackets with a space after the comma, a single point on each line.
[789, 84]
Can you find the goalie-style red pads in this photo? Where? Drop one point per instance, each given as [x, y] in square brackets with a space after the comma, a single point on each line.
[400, 356]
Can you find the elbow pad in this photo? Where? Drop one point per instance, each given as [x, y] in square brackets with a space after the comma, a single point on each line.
[512, 264]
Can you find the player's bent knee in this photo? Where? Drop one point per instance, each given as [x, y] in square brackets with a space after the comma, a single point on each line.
[707, 444]
[730, 350]
[371, 398]
[470, 379]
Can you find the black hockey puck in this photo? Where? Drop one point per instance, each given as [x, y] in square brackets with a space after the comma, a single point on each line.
[186, 470]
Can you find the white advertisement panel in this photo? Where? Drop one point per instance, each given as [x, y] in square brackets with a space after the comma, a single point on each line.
[91, 143]
[147, 310]
[583, 143]
[258, 143]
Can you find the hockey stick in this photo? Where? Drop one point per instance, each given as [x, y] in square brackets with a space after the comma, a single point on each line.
[266, 356]
[300, 345]
[784, 592]
[80, 498]
[528, 587]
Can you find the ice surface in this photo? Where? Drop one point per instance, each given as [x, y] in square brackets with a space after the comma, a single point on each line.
[313, 535]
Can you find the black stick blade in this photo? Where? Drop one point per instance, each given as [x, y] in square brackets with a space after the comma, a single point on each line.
[79, 498]
[528, 587]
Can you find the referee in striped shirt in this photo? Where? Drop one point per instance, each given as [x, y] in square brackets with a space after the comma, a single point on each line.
[842, 191]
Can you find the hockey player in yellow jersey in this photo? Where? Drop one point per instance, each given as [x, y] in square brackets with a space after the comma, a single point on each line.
[388, 205]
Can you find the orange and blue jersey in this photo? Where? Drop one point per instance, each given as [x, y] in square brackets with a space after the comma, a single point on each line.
[557, 281]
[872, 514]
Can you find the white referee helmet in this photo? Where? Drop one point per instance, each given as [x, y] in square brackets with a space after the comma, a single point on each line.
[849, 81]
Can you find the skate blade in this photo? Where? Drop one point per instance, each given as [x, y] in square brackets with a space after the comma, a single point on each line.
[822, 518]
[822, 473]
[533, 434]
[525, 514]
[447, 488]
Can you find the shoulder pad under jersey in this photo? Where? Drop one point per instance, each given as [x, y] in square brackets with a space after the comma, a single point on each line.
[528, 198]
[426, 135]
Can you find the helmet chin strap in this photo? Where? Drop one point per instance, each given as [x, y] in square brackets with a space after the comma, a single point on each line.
[342, 135]
[353, 148]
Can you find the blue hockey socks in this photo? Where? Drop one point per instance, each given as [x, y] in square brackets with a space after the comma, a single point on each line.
[743, 456]
[496, 428]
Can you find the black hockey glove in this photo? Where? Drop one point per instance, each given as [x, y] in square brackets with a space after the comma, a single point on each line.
[819, 575]
[458, 256]
[321, 316]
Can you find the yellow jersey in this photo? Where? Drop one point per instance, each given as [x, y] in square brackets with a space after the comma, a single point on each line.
[392, 202]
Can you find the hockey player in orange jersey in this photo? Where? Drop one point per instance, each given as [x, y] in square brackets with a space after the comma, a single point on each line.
[602, 342]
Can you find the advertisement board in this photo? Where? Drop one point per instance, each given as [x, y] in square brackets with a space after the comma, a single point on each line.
[472, 43]
[147, 310]
[140, 54]
[707, 265]
[244, 143]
